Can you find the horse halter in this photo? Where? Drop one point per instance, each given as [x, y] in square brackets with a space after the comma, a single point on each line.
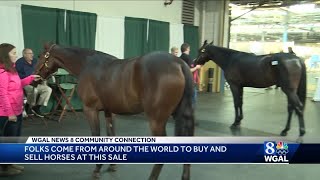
[200, 56]
[47, 55]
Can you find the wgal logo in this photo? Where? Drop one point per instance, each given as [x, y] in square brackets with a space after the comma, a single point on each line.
[275, 152]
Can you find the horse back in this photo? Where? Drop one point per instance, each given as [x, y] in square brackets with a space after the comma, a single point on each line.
[249, 70]
[121, 86]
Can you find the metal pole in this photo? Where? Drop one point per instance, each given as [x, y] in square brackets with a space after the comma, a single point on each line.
[285, 31]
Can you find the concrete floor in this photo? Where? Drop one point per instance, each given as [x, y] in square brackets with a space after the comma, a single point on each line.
[265, 114]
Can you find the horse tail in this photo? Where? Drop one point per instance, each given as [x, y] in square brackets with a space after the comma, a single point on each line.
[184, 113]
[302, 88]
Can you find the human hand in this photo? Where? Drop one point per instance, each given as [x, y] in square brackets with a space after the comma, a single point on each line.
[36, 77]
[12, 118]
[198, 66]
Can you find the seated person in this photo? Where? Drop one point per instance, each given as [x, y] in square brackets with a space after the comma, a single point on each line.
[25, 67]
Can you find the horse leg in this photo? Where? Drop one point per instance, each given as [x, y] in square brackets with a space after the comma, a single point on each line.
[298, 107]
[240, 103]
[158, 129]
[290, 111]
[93, 119]
[236, 93]
[163, 99]
[186, 172]
[110, 132]
[301, 125]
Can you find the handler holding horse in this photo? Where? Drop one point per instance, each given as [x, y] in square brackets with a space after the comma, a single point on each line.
[158, 84]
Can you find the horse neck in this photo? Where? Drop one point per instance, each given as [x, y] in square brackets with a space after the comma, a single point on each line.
[70, 60]
[221, 56]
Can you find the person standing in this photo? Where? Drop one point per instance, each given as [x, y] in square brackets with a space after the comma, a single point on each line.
[291, 51]
[185, 56]
[175, 51]
[11, 100]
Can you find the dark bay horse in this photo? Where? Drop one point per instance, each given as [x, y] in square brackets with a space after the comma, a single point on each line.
[158, 84]
[249, 70]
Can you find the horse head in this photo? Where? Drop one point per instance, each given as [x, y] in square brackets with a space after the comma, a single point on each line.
[47, 63]
[203, 56]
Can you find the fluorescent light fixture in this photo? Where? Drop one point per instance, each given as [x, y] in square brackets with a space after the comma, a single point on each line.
[232, 5]
[302, 7]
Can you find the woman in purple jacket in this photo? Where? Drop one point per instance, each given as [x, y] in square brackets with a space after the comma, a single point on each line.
[11, 100]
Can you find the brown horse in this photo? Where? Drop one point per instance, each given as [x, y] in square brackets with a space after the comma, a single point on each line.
[158, 84]
[243, 69]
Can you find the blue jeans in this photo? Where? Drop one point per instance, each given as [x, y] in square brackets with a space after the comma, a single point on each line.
[194, 97]
[9, 128]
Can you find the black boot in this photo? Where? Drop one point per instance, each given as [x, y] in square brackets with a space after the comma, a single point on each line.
[28, 109]
[36, 111]
[7, 170]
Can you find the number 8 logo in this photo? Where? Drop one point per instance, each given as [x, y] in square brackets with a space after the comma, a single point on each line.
[269, 148]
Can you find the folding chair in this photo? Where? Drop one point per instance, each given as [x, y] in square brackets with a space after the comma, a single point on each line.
[64, 87]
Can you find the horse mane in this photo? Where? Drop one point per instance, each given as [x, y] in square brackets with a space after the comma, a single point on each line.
[83, 52]
[230, 50]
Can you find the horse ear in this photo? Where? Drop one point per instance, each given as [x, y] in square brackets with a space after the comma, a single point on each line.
[46, 45]
[211, 43]
[205, 42]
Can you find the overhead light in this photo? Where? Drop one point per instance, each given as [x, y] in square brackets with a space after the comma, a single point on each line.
[232, 5]
[302, 7]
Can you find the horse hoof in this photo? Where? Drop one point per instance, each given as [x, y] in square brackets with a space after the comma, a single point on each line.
[300, 140]
[235, 126]
[96, 175]
[112, 168]
[185, 178]
[283, 133]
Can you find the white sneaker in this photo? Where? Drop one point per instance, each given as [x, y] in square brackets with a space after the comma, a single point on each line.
[24, 114]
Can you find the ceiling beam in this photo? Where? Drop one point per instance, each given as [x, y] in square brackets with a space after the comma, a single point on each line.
[271, 4]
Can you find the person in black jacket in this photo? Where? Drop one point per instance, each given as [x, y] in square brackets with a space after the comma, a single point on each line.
[291, 51]
[185, 50]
